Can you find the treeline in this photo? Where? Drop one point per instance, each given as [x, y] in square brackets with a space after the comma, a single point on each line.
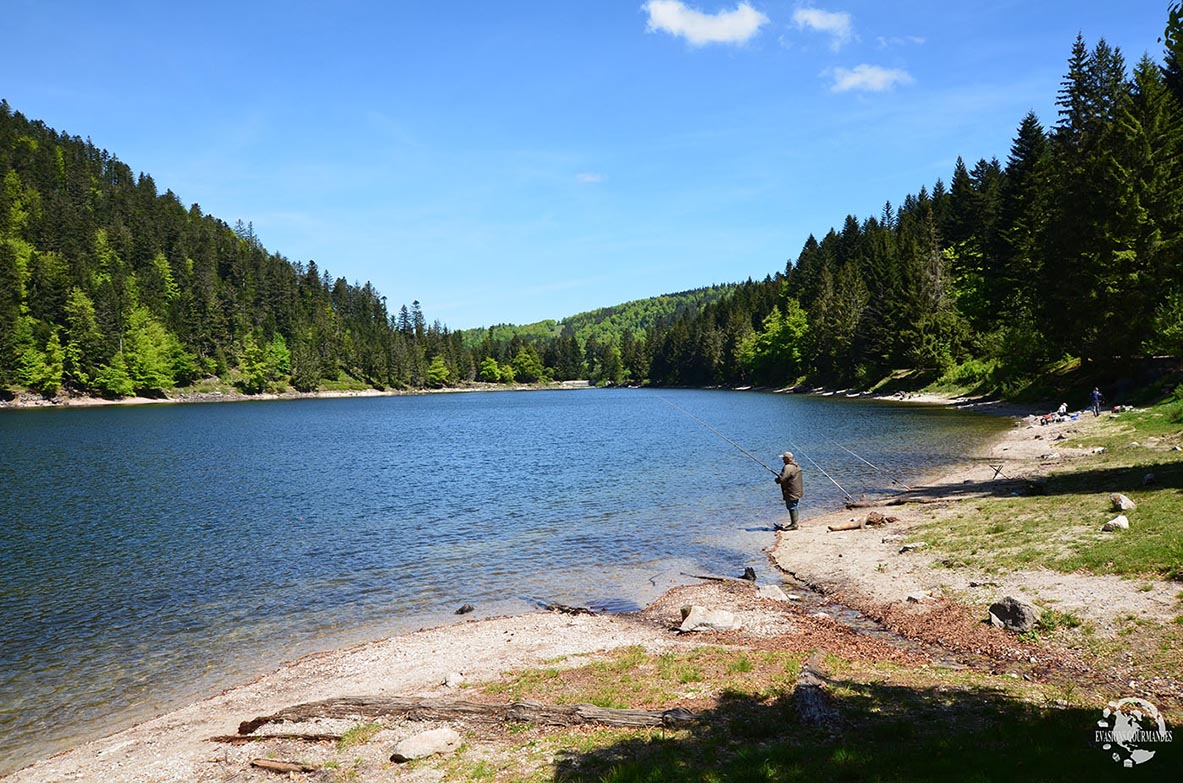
[608, 345]
[1071, 249]
[109, 287]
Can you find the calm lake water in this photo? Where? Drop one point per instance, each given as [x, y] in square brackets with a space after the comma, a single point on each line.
[154, 554]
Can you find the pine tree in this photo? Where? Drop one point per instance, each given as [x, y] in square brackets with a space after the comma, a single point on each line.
[1023, 218]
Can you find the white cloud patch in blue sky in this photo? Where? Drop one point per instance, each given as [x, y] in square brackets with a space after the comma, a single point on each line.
[868, 78]
[886, 42]
[589, 177]
[839, 25]
[728, 27]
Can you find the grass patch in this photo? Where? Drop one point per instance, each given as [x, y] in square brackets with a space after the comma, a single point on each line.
[890, 732]
[632, 678]
[358, 735]
[1052, 619]
[1062, 528]
[897, 724]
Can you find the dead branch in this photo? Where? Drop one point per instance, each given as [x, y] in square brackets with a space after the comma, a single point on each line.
[240, 739]
[432, 709]
[283, 766]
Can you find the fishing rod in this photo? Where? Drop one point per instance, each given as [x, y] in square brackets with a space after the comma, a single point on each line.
[752, 456]
[876, 467]
[797, 450]
[749, 454]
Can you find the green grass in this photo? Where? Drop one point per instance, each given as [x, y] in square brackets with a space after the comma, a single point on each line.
[1062, 528]
[889, 732]
[357, 735]
[897, 723]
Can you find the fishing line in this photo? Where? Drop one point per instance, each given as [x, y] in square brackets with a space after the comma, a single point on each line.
[876, 467]
[721, 435]
[797, 450]
[753, 457]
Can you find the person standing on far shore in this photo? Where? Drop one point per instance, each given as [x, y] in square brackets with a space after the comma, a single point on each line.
[791, 487]
[1096, 396]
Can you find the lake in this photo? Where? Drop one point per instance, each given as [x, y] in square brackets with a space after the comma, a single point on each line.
[155, 554]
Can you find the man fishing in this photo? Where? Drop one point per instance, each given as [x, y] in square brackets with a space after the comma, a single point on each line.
[791, 488]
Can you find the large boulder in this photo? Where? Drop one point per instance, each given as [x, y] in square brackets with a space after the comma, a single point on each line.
[425, 744]
[1014, 615]
[702, 620]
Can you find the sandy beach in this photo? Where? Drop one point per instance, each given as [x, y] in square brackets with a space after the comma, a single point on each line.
[930, 613]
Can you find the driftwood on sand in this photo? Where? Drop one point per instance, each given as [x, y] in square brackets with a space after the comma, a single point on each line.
[899, 500]
[246, 739]
[428, 709]
[874, 519]
[285, 767]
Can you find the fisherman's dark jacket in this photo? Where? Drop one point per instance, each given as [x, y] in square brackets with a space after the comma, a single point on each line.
[790, 482]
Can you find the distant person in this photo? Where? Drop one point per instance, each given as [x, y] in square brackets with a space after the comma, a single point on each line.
[791, 488]
[1063, 410]
[1096, 397]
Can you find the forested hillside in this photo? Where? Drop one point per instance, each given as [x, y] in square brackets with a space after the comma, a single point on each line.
[1069, 249]
[108, 286]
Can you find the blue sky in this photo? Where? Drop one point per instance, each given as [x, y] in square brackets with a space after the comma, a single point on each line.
[514, 161]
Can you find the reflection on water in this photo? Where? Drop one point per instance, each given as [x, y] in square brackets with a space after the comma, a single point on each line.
[153, 554]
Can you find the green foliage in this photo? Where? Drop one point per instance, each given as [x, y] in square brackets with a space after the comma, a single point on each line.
[357, 735]
[149, 352]
[142, 290]
[490, 371]
[773, 355]
[527, 366]
[253, 366]
[437, 373]
[84, 341]
[39, 369]
[114, 379]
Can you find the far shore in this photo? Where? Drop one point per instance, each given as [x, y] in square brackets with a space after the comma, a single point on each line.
[181, 396]
[31, 400]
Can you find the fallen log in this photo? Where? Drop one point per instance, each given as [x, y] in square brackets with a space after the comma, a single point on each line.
[432, 709]
[896, 501]
[283, 766]
[241, 739]
[853, 524]
[714, 578]
[564, 609]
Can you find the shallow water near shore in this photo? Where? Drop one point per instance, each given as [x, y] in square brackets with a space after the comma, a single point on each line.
[155, 554]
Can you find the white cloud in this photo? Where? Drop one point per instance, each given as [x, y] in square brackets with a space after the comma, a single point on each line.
[914, 40]
[837, 24]
[589, 177]
[869, 78]
[676, 18]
